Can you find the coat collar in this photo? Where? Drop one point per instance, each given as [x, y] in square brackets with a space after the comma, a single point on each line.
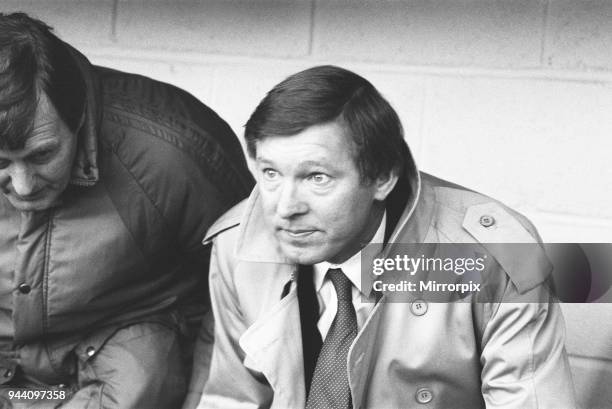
[85, 171]
[274, 336]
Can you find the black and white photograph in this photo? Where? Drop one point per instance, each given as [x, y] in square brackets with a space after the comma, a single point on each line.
[305, 204]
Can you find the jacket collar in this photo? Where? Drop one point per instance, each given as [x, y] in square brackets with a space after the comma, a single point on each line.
[85, 171]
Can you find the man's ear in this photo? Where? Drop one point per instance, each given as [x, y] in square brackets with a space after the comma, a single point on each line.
[384, 184]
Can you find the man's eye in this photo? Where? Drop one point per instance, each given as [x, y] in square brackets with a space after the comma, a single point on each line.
[270, 174]
[41, 157]
[319, 178]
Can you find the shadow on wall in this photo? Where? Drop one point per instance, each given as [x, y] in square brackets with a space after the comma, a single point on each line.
[581, 272]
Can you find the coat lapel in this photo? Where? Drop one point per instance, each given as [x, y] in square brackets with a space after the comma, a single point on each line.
[273, 347]
[362, 353]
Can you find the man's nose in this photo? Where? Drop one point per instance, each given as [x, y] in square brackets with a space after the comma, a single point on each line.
[290, 203]
[23, 180]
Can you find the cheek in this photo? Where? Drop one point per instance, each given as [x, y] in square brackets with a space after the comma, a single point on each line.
[268, 204]
[59, 169]
[340, 213]
[56, 171]
[350, 212]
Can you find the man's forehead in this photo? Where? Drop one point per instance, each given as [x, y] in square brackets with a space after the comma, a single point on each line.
[315, 143]
[45, 111]
[46, 129]
[32, 144]
[42, 136]
[41, 128]
[303, 155]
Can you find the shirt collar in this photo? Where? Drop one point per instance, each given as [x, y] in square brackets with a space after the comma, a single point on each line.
[351, 267]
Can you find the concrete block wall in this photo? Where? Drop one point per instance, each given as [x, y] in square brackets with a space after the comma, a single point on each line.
[512, 98]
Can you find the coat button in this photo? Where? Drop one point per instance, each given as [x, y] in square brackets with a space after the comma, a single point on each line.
[8, 373]
[424, 395]
[418, 307]
[90, 351]
[487, 221]
[24, 288]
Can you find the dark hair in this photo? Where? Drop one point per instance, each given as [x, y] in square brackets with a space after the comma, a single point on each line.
[34, 60]
[327, 93]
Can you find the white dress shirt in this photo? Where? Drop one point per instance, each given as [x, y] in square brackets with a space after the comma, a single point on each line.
[326, 294]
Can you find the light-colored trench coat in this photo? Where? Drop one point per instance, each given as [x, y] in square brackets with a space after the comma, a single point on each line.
[431, 355]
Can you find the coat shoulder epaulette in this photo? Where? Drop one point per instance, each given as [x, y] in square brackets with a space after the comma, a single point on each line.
[512, 240]
[506, 234]
[228, 220]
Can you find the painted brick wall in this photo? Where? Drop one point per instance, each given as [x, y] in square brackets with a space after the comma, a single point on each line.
[512, 98]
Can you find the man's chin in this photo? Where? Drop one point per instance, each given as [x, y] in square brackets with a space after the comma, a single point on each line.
[302, 255]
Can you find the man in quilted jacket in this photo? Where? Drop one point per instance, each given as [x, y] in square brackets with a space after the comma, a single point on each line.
[109, 182]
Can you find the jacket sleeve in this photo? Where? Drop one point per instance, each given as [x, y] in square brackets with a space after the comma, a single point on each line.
[521, 328]
[201, 362]
[523, 356]
[230, 384]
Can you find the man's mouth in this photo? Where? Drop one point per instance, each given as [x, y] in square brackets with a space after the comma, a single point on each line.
[29, 198]
[297, 233]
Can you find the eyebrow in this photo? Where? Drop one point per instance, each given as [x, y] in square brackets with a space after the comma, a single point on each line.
[262, 160]
[45, 146]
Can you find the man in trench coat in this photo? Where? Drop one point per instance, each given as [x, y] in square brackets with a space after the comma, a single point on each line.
[334, 174]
